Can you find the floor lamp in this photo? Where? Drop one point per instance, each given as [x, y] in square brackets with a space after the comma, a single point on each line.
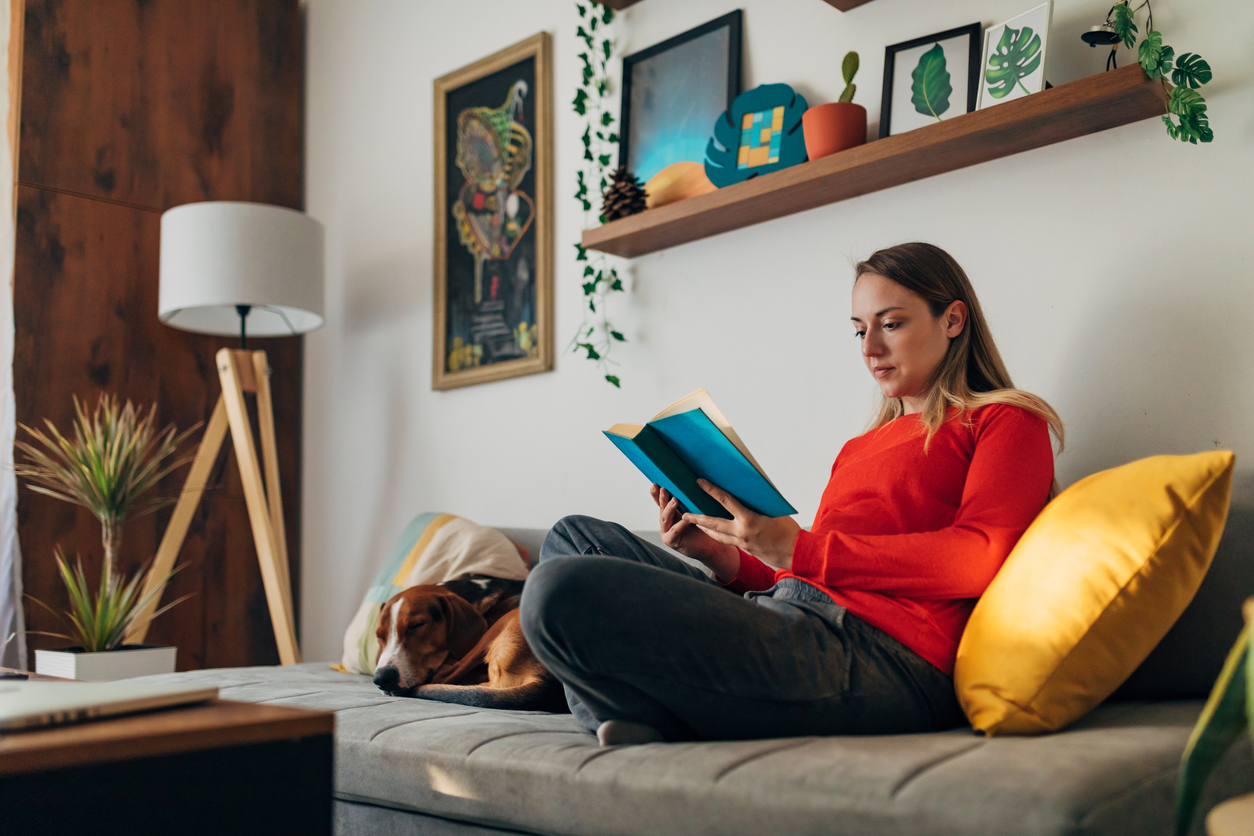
[239, 268]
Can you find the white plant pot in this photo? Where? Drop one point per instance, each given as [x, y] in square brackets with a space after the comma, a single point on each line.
[106, 665]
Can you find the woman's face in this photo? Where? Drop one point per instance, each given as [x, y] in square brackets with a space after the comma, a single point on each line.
[902, 343]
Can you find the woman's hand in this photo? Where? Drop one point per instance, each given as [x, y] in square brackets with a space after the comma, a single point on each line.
[770, 539]
[690, 541]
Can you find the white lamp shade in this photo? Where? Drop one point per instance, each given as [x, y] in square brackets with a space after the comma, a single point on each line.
[219, 254]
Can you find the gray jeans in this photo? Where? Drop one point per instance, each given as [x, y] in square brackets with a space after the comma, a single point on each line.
[634, 633]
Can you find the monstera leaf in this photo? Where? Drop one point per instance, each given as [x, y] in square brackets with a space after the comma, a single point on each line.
[722, 151]
[931, 84]
[1191, 71]
[1190, 108]
[1122, 23]
[1017, 56]
[1154, 57]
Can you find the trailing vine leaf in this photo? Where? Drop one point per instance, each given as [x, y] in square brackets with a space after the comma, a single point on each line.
[1191, 71]
[1154, 57]
[1016, 57]
[1189, 108]
[1123, 25]
[931, 83]
[595, 336]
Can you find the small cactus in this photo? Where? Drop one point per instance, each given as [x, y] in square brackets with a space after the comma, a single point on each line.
[848, 69]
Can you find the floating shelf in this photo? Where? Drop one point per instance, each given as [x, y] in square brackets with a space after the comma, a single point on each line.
[843, 5]
[1070, 110]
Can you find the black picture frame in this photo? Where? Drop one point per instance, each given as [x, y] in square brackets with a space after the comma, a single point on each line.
[973, 31]
[732, 21]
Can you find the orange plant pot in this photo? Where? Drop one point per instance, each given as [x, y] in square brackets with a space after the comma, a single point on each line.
[833, 127]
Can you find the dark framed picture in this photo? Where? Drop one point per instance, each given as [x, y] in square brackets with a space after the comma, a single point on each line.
[674, 92]
[931, 79]
[493, 279]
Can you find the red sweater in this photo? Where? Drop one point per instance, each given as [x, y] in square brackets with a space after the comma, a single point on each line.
[907, 540]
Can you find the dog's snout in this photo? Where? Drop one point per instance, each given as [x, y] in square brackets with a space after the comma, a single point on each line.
[387, 677]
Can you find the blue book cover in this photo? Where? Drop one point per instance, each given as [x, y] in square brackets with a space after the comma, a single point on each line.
[692, 439]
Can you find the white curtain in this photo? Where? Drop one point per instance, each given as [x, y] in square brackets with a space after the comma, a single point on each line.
[12, 629]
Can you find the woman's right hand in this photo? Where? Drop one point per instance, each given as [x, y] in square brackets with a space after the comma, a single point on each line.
[690, 541]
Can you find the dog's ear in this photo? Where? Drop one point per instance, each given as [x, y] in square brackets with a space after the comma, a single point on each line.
[381, 629]
[465, 626]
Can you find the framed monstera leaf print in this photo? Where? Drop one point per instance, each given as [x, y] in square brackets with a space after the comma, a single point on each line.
[930, 79]
[1013, 63]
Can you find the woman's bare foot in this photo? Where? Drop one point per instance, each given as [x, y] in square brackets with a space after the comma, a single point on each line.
[626, 733]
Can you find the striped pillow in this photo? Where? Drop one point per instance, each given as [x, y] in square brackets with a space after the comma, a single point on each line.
[433, 548]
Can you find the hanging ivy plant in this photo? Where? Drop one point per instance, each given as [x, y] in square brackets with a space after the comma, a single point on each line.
[596, 335]
[1186, 109]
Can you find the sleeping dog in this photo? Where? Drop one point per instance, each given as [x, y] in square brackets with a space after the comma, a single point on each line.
[461, 642]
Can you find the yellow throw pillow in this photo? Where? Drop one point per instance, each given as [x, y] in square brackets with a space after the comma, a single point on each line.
[1093, 585]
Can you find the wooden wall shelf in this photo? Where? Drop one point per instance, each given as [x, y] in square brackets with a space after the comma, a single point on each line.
[843, 5]
[1082, 107]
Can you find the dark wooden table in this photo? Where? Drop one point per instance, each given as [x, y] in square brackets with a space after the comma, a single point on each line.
[221, 767]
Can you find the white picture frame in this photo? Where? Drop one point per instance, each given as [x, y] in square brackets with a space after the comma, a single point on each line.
[1006, 84]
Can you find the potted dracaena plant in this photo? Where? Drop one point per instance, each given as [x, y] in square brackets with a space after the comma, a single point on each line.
[110, 460]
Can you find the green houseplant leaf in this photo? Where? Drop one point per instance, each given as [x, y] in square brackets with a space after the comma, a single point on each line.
[1123, 25]
[1016, 57]
[1189, 108]
[1191, 71]
[1154, 57]
[1222, 721]
[101, 622]
[848, 69]
[931, 88]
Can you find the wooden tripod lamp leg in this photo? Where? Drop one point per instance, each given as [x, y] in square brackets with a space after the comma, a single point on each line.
[270, 459]
[176, 530]
[254, 495]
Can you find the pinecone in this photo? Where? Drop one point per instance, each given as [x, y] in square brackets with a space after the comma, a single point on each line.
[624, 196]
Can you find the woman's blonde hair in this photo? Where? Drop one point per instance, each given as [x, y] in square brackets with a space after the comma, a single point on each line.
[972, 373]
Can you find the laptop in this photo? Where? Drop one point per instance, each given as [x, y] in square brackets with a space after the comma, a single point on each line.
[26, 705]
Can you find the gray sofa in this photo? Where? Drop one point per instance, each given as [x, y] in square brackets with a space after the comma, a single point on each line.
[407, 766]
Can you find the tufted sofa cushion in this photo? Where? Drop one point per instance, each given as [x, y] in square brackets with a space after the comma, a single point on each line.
[1110, 773]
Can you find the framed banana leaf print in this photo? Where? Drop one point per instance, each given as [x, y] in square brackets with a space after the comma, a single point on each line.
[930, 79]
[493, 271]
[1013, 64]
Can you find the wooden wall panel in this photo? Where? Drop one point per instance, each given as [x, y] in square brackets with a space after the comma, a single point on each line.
[170, 101]
[130, 107]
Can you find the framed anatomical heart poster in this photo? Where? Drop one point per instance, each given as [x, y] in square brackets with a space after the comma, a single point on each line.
[493, 279]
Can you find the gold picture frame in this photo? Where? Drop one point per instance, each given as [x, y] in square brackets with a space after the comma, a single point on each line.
[494, 218]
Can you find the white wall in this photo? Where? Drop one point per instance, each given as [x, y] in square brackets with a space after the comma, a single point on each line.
[1115, 271]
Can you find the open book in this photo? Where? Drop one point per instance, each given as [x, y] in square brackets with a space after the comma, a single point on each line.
[691, 439]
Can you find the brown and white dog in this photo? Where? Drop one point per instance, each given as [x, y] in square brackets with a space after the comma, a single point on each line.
[461, 642]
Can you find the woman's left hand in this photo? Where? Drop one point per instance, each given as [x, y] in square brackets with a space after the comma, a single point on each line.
[770, 539]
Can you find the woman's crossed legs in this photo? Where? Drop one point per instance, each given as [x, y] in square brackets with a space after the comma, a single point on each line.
[637, 635]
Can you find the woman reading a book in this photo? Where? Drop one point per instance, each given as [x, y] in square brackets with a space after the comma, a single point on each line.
[853, 626]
